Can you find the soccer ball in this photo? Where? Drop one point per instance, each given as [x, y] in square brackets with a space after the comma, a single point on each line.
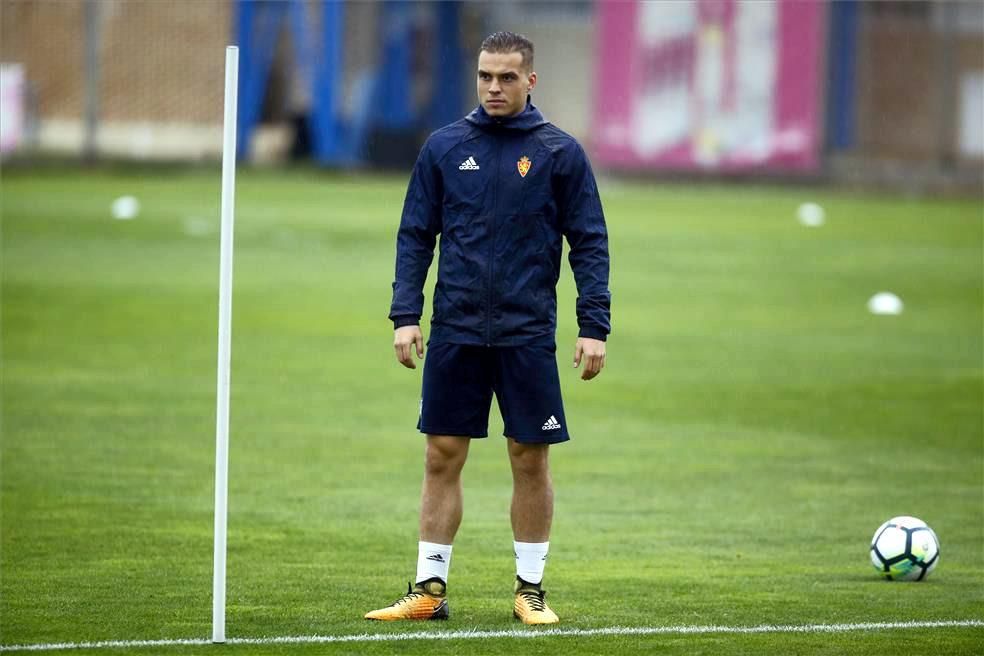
[905, 549]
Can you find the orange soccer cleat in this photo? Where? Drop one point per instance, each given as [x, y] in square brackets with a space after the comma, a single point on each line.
[530, 607]
[425, 601]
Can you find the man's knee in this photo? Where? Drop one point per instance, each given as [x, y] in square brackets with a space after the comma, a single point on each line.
[446, 455]
[529, 460]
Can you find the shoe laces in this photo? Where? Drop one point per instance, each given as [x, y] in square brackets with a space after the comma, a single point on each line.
[534, 598]
[412, 593]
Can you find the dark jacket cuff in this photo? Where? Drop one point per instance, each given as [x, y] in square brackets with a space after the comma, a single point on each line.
[593, 333]
[408, 320]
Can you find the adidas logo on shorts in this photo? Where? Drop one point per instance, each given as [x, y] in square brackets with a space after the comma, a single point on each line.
[469, 165]
[551, 424]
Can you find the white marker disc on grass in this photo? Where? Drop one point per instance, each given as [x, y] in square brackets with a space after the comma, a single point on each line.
[885, 303]
[126, 208]
[811, 215]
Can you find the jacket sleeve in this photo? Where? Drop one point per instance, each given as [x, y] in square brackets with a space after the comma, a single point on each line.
[583, 223]
[419, 226]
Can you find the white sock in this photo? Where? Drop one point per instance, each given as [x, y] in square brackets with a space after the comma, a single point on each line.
[433, 560]
[531, 557]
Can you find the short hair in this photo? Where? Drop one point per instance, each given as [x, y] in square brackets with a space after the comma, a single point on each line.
[506, 42]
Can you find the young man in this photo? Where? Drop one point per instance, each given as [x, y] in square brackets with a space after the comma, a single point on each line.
[502, 187]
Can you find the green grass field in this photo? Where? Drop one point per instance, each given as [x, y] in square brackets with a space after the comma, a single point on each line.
[753, 427]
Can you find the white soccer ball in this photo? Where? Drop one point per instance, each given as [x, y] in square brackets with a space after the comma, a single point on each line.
[905, 549]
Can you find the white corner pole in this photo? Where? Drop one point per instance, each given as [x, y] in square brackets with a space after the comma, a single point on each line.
[225, 343]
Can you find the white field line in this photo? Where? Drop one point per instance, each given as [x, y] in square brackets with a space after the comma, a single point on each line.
[512, 633]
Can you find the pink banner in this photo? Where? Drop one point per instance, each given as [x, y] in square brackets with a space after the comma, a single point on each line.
[721, 85]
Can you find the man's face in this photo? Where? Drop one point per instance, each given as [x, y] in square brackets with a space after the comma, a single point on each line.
[503, 83]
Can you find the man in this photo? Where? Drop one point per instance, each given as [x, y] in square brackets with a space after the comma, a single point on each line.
[502, 187]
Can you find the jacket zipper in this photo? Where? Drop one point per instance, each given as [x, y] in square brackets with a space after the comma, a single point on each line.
[495, 211]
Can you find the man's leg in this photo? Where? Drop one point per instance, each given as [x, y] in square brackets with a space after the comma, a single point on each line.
[456, 395]
[532, 501]
[440, 507]
[440, 503]
[532, 514]
[440, 516]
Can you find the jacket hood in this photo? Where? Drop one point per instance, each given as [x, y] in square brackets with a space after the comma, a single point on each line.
[526, 120]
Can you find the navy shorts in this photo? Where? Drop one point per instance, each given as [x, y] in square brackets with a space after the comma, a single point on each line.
[459, 381]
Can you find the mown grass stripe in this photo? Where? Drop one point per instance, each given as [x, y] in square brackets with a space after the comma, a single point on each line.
[514, 633]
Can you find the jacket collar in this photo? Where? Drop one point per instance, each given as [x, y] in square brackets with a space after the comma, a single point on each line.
[525, 121]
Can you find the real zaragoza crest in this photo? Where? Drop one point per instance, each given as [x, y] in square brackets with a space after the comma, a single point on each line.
[524, 165]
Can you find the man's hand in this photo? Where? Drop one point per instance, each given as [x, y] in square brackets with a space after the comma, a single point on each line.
[593, 351]
[404, 339]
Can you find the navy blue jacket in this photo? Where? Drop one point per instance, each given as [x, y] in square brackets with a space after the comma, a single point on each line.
[501, 193]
